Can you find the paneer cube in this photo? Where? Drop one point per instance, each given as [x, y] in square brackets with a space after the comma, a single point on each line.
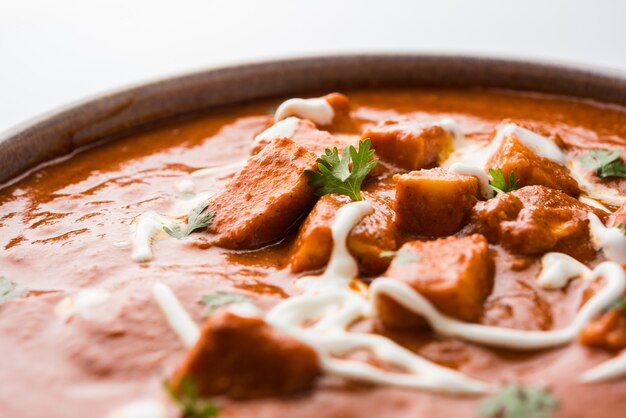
[244, 358]
[263, 200]
[373, 235]
[512, 156]
[409, 144]
[434, 202]
[454, 274]
[534, 220]
[301, 131]
[606, 331]
[342, 121]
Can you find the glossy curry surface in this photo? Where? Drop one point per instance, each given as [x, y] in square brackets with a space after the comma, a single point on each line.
[66, 227]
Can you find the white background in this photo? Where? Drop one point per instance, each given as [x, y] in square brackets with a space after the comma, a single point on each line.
[56, 51]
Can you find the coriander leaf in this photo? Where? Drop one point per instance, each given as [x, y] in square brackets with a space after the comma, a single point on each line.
[189, 402]
[217, 299]
[334, 175]
[598, 157]
[517, 401]
[9, 290]
[606, 163]
[501, 183]
[614, 169]
[196, 219]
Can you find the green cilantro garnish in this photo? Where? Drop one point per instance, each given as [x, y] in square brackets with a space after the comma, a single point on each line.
[196, 219]
[517, 401]
[501, 183]
[334, 175]
[607, 163]
[189, 402]
[217, 299]
[9, 290]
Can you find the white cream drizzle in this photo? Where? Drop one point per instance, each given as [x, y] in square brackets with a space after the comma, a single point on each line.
[507, 337]
[469, 153]
[613, 244]
[557, 269]
[186, 186]
[341, 269]
[177, 317]
[80, 302]
[593, 203]
[284, 128]
[450, 126]
[244, 310]
[183, 206]
[608, 370]
[612, 241]
[596, 191]
[330, 303]
[539, 144]
[486, 190]
[320, 316]
[469, 157]
[465, 151]
[221, 170]
[317, 110]
[147, 227]
[144, 408]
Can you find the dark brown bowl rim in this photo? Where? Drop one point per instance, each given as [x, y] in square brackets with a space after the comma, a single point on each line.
[123, 111]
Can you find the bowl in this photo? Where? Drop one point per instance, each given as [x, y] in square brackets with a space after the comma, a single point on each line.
[126, 111]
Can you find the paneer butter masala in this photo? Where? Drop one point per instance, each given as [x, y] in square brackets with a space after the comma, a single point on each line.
[405, 253]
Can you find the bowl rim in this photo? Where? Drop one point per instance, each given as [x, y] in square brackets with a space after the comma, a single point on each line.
[97, 117]
[167, 78]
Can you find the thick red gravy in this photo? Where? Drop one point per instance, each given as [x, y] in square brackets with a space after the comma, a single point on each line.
[63, 229]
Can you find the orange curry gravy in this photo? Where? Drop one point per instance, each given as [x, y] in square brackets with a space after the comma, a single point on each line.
[66, 227]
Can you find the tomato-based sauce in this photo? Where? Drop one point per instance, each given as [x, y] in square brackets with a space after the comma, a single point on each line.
[88, 336]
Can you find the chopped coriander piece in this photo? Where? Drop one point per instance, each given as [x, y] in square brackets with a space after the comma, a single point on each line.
[9, 290]
[334, 174]
[217, 299]
[198, 218]
[606, 163]
[517, 401]
[501, 183]
[191, 405]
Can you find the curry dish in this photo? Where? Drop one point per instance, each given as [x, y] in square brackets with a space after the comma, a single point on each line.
[401, 253]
